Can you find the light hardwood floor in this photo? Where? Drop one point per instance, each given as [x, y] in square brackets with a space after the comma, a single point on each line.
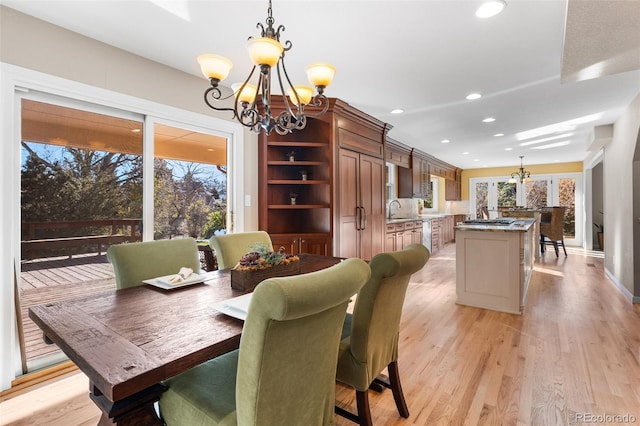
[575, 352]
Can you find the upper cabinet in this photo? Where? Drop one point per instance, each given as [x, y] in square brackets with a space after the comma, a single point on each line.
[415, 182]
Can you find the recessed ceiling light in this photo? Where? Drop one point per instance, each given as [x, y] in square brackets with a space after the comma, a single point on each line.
[397, 111]
[473, 96]
[445, 141]
[498, 135]
[476, 159]
[508, 149]
[465, 153]
[490, 8]
[489, 120]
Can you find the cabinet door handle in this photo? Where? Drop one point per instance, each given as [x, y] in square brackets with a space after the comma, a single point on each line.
[358, 219]
[363, 218]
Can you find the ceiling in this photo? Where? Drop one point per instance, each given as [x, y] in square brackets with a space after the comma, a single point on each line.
[546, 69]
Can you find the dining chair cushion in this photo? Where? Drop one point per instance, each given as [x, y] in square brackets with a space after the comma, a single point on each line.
[286, 365]
[134, 262]
[231, 247]
[370, 336]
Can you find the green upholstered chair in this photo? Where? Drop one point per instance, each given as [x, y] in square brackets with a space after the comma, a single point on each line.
[284, 371]
[231, 247]
[370, 335]
[134, 262]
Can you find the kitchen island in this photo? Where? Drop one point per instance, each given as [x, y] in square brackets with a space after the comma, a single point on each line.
[494, 262]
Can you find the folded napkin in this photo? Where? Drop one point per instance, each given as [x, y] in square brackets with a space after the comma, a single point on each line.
[182, 275]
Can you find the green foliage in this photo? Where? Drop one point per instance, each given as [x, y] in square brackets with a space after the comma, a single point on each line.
[216, 222]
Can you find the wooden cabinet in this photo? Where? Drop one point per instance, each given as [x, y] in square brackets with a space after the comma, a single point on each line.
[362, 206]
[339, 207]
[452, 188]
[436, 236]
[295, 185]
[421, 177]
[297, 244]
[403, 234]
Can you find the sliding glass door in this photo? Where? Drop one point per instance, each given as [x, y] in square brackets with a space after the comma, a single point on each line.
[489, 195]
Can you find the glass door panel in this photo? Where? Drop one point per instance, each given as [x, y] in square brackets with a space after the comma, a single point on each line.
[567, 198]
[81, 190]
[536, 193]
[190, 183]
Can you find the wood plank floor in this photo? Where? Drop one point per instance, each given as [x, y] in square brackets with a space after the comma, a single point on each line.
[574, 352]
[50, 280]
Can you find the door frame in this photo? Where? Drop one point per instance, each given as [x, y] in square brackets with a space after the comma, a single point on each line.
[15, 81]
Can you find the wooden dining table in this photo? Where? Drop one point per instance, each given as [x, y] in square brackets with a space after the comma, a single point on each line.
[129, 341]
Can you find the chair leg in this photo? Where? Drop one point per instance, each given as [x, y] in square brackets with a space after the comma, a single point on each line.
[364, 412]
[541, 243]
[363, 418]
[396, 388]
[563, 248]
[555, 247]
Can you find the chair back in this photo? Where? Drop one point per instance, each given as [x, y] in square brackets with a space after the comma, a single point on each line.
[231, 247]
[134, 262]
[554, 229]
[373, 343]
[289, 346]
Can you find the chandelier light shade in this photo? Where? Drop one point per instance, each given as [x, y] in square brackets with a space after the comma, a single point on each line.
[252, 106]
[521, 175]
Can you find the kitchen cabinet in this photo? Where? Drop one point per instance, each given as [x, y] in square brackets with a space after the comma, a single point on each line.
[362, 204]
[436, 236]
[421, 176]
[298, 244]
[335, 170]
[402, 234]
[296, 166]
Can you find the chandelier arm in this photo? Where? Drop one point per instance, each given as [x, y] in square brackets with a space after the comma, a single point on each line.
[319, 100]
[299, 107]
[247, 114]
[215, 94]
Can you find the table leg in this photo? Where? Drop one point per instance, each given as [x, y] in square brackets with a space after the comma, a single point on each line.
[137, 409]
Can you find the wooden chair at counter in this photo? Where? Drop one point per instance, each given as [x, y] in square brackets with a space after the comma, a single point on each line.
[134, 262]
[552, 228]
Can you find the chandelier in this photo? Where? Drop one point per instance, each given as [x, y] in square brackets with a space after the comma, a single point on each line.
[254, 111]
[521, 175]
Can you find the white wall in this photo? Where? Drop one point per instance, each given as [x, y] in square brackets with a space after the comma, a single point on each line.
[619, 188]
[79, 67]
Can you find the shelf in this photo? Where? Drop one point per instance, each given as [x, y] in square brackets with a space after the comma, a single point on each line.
[297, 206]
[297, 163]
[297, 182]
[301, 143]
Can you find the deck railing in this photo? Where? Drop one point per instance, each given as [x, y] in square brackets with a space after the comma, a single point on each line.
[58, 238]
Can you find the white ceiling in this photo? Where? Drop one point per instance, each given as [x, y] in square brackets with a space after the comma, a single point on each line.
[421, 56]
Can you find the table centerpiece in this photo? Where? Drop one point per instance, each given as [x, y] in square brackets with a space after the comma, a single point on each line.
[260, 264]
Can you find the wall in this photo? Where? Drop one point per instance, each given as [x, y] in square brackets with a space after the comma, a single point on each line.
[535, 169]
[620, 189]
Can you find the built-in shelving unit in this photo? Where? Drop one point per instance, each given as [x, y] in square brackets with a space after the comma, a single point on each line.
[283, 159]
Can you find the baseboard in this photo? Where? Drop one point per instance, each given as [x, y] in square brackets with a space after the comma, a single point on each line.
[625, 291]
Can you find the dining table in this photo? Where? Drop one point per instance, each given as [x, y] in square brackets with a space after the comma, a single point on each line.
[128, 341]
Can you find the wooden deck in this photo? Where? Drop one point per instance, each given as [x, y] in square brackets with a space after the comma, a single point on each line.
[48, 280]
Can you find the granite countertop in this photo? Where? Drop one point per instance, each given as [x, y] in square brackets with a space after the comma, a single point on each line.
[495, 225]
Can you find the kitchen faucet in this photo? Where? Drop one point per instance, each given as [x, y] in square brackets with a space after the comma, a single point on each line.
[391, 205]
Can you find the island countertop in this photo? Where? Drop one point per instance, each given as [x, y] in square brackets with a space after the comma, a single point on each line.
[497, 225]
